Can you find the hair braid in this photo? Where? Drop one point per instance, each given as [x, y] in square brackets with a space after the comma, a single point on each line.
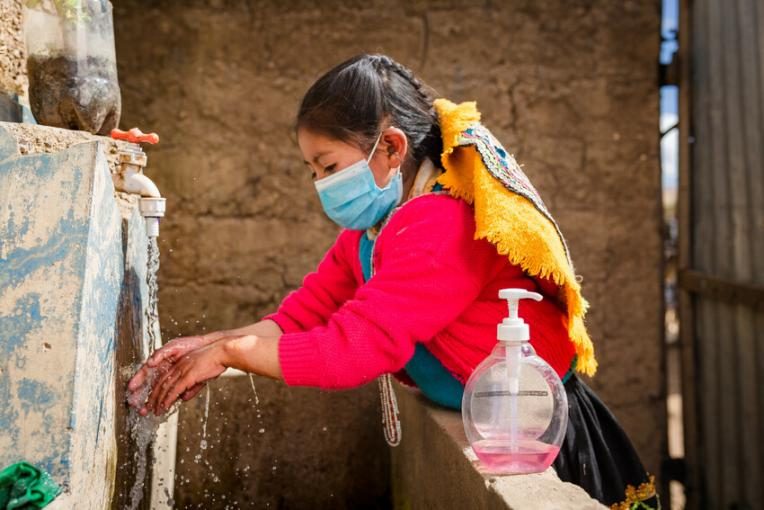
[406, 73]
[431, 144]
[357, 98]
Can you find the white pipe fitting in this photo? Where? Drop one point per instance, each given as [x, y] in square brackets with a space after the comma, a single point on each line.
[152, 209]
[131, 179]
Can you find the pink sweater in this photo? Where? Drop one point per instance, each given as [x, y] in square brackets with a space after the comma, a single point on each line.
[433, 283]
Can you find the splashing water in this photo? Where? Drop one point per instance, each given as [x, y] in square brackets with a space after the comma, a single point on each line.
[203, 442]
[257, 399]
[254, 390]
[143, 430]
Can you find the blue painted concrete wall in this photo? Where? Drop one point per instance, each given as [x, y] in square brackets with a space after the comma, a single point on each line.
[61, 274]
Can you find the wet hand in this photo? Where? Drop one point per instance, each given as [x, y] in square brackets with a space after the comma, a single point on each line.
[163, 357]
[185, 378]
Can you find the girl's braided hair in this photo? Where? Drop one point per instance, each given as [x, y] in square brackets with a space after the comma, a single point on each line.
[358, 98]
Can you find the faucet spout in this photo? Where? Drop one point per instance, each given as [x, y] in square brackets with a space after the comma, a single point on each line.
[131, 179]
[139, 183]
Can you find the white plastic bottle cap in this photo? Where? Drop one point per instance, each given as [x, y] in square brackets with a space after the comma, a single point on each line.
[514, 328]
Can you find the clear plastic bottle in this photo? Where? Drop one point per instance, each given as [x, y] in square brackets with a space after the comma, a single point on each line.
[514, 407]
[71, 64]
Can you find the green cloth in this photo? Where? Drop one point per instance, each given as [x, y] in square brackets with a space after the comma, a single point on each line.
[25, 487]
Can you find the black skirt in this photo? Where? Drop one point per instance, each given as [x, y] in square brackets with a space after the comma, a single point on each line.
[598, 456]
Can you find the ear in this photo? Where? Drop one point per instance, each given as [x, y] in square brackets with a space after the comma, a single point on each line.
[395, 143]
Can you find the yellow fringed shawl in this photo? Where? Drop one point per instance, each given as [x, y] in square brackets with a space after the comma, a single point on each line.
[509, 213]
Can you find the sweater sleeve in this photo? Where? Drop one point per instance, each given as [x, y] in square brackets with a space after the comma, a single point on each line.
[323, 291]
[430, 270]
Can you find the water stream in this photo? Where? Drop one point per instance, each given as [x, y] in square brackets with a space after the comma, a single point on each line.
[257, 400]
[152, 310]
[143, 430]
[203, 442]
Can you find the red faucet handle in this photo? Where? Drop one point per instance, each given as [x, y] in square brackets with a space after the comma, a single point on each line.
[134, 135]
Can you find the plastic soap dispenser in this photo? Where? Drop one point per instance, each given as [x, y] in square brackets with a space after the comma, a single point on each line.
[514, 407]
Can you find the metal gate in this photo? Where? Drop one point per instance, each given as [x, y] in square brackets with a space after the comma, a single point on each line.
[721, 250]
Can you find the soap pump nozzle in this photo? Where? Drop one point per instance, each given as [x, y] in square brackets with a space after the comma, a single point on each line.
[514, 331]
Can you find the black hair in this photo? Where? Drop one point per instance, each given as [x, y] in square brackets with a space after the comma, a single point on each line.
[360, 97]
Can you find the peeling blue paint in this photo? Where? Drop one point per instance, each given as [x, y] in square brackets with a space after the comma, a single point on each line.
[8, 414]
[8, 145]
[23, 319]
[21, 229]
[34, 395]
[68, 236]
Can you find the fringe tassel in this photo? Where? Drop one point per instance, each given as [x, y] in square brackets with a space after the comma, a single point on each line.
[391, 423]
[511, 223]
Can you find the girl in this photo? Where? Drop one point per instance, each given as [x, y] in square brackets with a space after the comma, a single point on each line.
[437, 218]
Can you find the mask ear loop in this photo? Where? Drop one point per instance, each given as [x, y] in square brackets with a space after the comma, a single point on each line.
[374, 149]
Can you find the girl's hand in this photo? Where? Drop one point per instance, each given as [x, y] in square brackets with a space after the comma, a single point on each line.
[168, 354]
[185, 377]
[182, 370]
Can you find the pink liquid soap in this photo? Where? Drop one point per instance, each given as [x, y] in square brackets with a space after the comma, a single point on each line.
[518, 457]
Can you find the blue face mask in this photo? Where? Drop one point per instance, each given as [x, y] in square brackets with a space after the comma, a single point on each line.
[353, 200]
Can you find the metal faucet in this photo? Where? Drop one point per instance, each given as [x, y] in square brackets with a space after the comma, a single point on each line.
[131, 179]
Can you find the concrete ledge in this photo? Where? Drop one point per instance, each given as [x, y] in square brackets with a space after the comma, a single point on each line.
[434, 467]
[61, 273]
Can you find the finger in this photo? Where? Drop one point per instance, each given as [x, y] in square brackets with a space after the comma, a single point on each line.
[136, 399]
[192, 392]
[139, 388]
[197, 382]
[170, 352]
[161, 392]
[159, 386]
[176, 390]
[178, 372]
[138, 379]
[146, 376]
[176, 349]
